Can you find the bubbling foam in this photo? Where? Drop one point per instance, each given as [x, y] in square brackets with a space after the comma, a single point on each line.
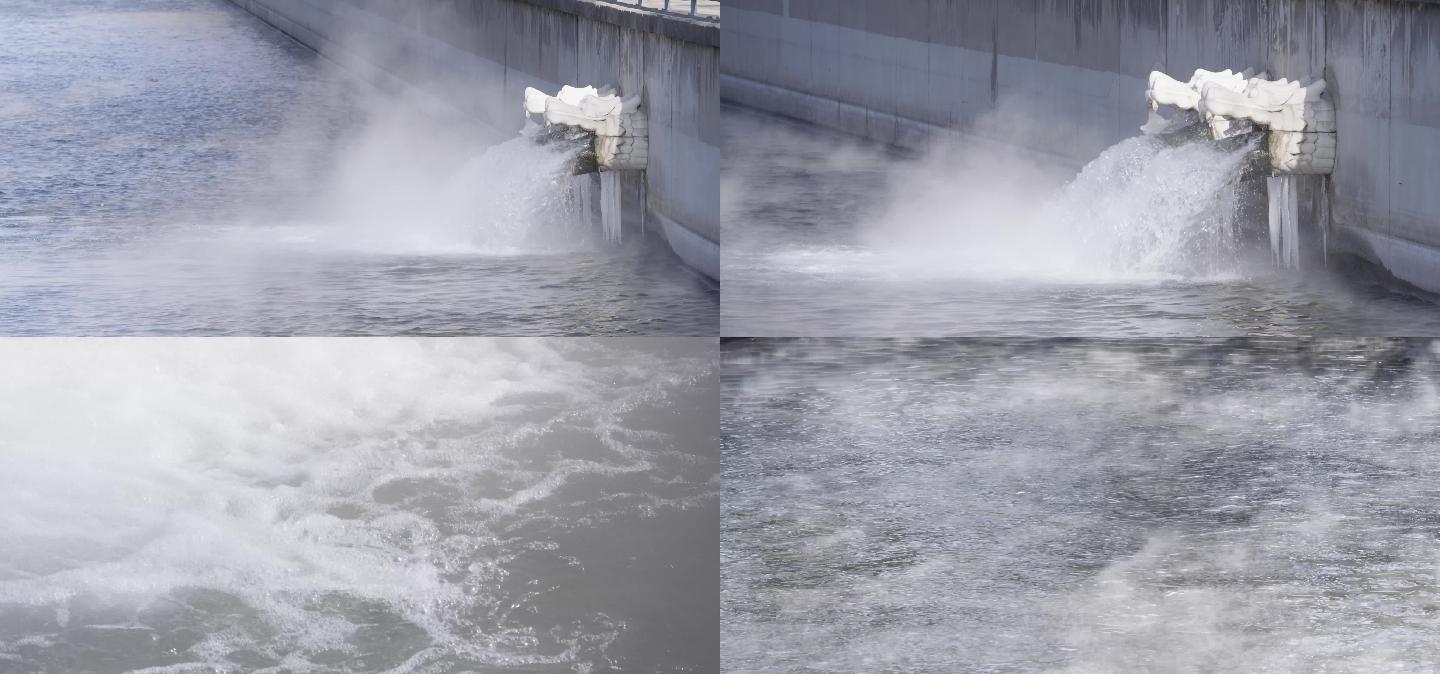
[359, 504]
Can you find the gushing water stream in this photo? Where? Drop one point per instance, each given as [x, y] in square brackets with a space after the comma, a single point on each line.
[509, 199]
[1145, 207]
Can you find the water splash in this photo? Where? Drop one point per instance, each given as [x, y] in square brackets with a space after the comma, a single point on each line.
[1145, 207]
[512, 198]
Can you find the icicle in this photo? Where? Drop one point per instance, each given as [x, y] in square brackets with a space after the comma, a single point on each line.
[1284, 221]
[1325, 218]
[610, 205]
[582, 189]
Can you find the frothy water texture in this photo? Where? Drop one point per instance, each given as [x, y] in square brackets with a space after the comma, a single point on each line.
[400, 505]
[1093, 506]
[825, 236]
[178, 167]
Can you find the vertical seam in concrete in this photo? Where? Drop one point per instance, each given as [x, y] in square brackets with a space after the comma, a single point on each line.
[929, 109]
[1165, 35]
[1327, 185]
[995, 57]
[1390, 130]
[505, 53]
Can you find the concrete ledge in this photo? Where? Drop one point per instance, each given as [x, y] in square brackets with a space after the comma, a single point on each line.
[1413, 263]
[677, 27]
[697, 251]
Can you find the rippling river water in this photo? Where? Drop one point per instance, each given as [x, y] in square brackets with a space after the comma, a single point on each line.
[827, 237]
[406, 505]
[1081, 506]
[178, 167]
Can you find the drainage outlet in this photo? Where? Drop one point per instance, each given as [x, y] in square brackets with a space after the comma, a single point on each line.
[1297, 117]
[620, 129]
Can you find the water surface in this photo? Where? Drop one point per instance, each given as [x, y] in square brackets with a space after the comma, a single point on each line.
[359, 505]
[1080, 506]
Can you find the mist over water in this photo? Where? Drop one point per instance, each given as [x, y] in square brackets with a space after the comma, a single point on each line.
[1144, 210]
[358, 505]
[176, 166]
[827, 236]
[1092, 506]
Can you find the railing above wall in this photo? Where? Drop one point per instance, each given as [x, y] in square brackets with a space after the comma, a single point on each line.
[704, 10]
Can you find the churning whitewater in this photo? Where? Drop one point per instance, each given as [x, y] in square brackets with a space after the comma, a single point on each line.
[358, 505]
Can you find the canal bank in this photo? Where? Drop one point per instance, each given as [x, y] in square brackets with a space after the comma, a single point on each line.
[480, 56]
[1065, 79]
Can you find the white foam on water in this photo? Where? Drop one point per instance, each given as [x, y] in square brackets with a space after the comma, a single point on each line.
[302, 478]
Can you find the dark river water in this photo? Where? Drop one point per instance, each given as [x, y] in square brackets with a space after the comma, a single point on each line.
[1081, 506]
[827, 237]
[365, 505]
[178, 167]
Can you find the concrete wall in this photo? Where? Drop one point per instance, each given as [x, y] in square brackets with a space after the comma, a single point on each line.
[905, 71]
[479, 55]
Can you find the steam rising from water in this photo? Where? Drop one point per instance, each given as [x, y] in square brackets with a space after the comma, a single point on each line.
[1142, 210]
[971, 505]
[358, 505]
[509, 199]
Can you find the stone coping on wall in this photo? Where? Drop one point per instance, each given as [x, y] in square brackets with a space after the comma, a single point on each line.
[674, 26]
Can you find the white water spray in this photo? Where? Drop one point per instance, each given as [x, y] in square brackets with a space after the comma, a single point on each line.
[1147, 208]
[512, 198]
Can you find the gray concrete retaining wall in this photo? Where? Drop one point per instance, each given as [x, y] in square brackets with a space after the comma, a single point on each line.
[479, 55]
[1068, 77]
